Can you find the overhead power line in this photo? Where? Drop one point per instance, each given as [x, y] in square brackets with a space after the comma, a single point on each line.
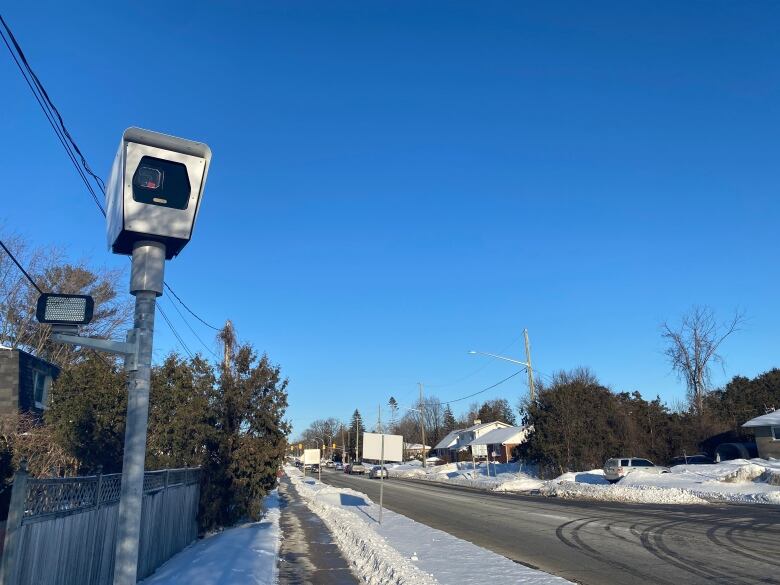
[173, 330]
[20, 267]
[75, 154]
[193, 331]
[51, 105]
[190, 311]
[485, 389]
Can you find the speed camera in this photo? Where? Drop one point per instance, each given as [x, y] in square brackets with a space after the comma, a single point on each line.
[154, 190]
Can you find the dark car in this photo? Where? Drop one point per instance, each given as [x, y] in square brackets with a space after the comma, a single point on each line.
[691, 460]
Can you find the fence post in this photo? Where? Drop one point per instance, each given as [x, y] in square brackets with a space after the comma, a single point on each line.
[98, 494]
[13, 525]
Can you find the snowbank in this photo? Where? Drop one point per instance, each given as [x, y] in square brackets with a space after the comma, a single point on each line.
[640, 494]
[375, 562]
[402, 551]
[756, 481]
[240, 555]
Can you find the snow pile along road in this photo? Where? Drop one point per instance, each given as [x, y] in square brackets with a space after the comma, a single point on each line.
[402, 551]
[641, 494]
[376, 562]
[502, 475]
[756, 481]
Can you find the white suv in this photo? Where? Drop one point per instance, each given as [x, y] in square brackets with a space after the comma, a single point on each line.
[616, 469]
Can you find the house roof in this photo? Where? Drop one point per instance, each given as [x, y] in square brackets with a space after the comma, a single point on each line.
[416, 447]
[486, 424]
[502, 436]
[765, 420]
[449, 439]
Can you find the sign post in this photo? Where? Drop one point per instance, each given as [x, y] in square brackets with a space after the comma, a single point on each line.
[379, 446]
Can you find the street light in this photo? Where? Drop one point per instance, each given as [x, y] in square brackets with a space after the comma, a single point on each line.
[526, 363]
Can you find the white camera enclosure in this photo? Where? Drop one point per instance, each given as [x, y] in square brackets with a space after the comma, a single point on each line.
[154, 190]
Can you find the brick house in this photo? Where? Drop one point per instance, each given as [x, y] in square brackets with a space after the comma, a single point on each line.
[25, 381]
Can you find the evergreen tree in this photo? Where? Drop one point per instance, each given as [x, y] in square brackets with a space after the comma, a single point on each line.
[578, 424]
[356, 426]
[449, 420]
[181, 422]
[393, 403]
[248, 407]
[496, 410]
[87, 413]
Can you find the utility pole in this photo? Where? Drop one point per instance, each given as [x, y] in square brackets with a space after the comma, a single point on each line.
[357, 438]
[228, 338]
[422, 422]
[528, 368]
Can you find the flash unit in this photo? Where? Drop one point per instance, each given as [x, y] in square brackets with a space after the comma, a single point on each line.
[61, 309]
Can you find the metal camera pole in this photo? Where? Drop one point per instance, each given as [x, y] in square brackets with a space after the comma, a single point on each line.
[146, 284]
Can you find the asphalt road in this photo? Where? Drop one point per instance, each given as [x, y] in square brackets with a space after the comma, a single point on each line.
[597, 543]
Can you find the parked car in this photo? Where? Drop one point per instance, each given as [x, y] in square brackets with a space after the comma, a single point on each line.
[315, 467]
[338, 466]
[691, 460]
[357, 468]
[347, 467]
[617, 468]
[377, 471]
[329, 463]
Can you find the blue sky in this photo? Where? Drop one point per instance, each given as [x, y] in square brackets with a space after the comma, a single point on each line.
[395, 183]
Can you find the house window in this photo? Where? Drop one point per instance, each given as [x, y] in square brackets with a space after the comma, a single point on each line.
[776, 433]
[41, 385]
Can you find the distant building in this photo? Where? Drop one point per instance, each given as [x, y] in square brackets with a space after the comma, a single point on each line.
[25, 381]
[766, 428]
[414, 450]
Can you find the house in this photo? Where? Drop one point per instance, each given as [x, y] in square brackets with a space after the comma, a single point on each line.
[498, 443]
[459, 440]
[766, 428]
[414, 450]
[447, 447]
[25, 381]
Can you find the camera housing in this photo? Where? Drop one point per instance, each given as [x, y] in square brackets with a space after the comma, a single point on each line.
[154, 190]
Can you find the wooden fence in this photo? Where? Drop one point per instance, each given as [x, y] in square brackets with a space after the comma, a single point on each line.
[62, 531]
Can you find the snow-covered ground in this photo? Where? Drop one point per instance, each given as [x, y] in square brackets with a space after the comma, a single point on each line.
[754, 481]
[401, 551]
[244, 555]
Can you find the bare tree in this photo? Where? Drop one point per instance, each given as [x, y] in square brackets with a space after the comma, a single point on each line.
[693, 346]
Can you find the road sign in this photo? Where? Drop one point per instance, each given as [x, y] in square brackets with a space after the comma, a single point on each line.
[311, 456]
[393, 448]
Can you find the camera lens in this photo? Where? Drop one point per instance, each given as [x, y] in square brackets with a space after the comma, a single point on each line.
[148, 178]
[161, 182]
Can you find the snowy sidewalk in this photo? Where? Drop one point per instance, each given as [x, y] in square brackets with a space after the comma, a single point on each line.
[401, 551]
[245, 555]
[309, 553]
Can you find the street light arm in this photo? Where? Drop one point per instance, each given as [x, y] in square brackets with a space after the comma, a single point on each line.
[500, 357]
